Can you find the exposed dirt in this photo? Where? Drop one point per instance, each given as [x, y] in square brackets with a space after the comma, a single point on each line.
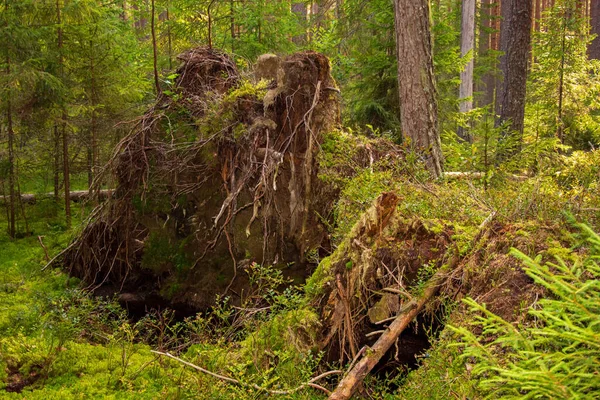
[491, 276]
[16, 381]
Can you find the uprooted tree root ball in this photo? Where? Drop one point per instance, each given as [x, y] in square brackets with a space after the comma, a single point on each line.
[221, 172]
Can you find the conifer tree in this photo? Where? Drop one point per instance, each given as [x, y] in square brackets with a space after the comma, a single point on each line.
[515, 41]
[418, 104]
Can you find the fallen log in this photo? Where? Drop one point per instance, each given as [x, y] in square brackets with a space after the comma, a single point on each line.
[481, 175]
[75, 195]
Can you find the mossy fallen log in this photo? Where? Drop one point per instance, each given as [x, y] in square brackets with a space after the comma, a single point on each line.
[75, 195]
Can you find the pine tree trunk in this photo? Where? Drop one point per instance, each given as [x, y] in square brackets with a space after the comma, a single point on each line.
[538, 15]
[93, 148]
[154, 50]
[486, 44]
[515, 41]
[170, 39]
[124, 10]
[65, 136]
[11, 158]
[232, 24]
[56, 140]
[418, 106]
[467, 45]
[594, 49]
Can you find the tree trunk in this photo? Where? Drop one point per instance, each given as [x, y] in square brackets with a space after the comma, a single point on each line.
[93, 148]
[124, 10]
[65, 136]
[515, 41]
[11, 157]
[488, 81]
[232, 24]
[418, 106]
[300, 10]
[170, 39]
[56, 139]
[154, 50]
[467, 45]
[561, 79]
[594, 49]
[538, 15]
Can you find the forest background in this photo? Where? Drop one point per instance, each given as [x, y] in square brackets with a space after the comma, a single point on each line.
[517, 91]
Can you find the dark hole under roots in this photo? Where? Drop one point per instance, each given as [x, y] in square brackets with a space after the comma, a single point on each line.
[410, 349]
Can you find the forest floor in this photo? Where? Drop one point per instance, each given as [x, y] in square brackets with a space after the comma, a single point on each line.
[57, 341]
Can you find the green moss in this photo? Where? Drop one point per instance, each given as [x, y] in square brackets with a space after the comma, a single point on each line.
[247, 89]
[290, 336]
[163, 252]
[463, 237]
[357, 196]
[154, 202]
[158, 252]
[338, 149]
[317, 281]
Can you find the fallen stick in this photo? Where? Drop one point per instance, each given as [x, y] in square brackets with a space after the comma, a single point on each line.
[310, 383]
[47, 257]
[481, 175]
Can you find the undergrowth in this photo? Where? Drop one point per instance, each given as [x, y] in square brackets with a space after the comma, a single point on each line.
[555, 353]
[57, 341]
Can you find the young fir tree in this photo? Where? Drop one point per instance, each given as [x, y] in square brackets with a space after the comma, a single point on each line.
[555, 355]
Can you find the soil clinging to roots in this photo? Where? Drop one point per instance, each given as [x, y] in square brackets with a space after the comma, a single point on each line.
[221, 172]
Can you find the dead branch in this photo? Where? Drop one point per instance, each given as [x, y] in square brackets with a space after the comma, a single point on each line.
[75, 195]
[46, 257]
[481, 175]
[310, 383]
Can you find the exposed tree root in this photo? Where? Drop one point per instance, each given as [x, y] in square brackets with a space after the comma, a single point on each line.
[224, 172]
[378, 222]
